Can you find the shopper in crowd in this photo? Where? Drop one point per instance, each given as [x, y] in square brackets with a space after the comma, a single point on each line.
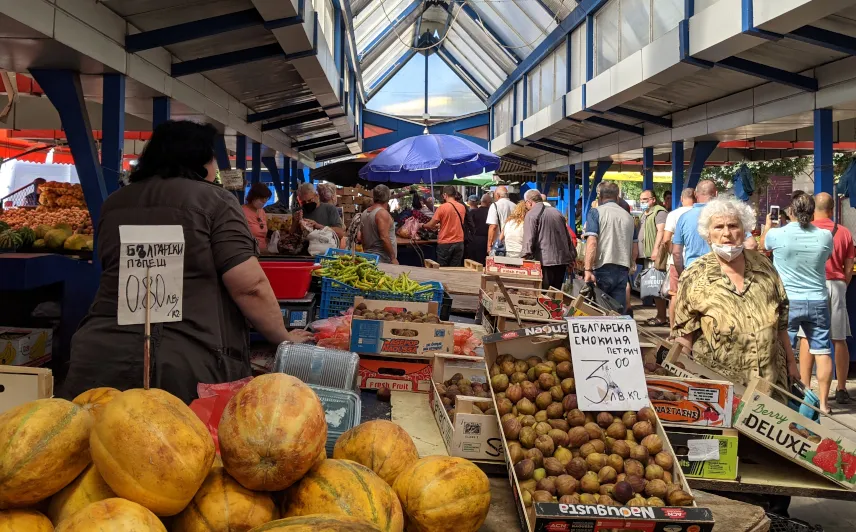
[327, 194]
[687, 202]
[800, 251]
[224, 286]
[687, 243]
[473, 201]
[477, 229]
[317, 213]
[450, 240]
[546, 239]
[378, 228]
[667, 200]
[498, 215]
[32, 199]
[428, 206]
[512, 232]
[731, 308]
[839, 272]
[254, 212]
[610, 244]
[652, 224]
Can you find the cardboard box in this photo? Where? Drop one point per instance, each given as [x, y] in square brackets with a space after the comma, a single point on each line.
[508, 266]
[396, 374]
[693, 402]
[25, 347]
[346, 200]
[532, 304]
[470, 436]
[489, 286]
[524, 343]
[804, 442]
[723, 468]
[19, 385]
[680, 365]
[399, 338]
[346, 191]
[349, 208]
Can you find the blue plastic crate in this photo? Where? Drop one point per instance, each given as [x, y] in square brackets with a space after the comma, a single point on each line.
[333, 253]
[337, 297]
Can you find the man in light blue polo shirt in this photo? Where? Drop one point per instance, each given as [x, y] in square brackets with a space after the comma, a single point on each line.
[687, 243]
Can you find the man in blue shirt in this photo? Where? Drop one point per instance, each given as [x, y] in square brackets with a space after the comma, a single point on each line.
[687, 243]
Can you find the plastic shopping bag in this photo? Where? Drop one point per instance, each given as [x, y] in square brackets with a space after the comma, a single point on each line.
[213, 399]
[320, 240]
[651, 282]
[273, 244]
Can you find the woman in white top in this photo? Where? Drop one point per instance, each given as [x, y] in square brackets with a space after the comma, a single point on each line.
[512, 231]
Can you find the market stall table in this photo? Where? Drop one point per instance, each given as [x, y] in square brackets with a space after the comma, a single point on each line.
[462, 285]
[414, 252]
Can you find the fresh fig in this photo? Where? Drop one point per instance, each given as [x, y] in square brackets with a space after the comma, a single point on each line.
[544, 443]
[566, 485]
[539, 474]
[667, 477]
[596, 461]
[642, 429]
[639, 453]
[553, 467]
[576, 418]
[589, 483]
[527, 438]
[530, 391]
[616, 430]
[541, 416]
[517, 377]
[664, 460]
[680, 498]
[542, 496]
[577, 437]
[637, 482]
[653, 443]
[516, 453]
[622, 492]
[563, 455]
[507, 368]
[542, 368]
[621, 448]
[656, 488]
[615, 462]
[573, 498]
[536, 456]
[526, 497]
[528, 485]
[511, 429]
[598, 445]
[557, 394]
[587, 449]
[588, 499]
[653, 472]
[499, 383]
[606, 475]
[494, 370]
[606, 500]
[604, 419]
[521, 366]
[533, 361]
[546, 381]
[542, 428]
[577, 467]
[528, 421]
[632, 468]
[569, 402]
[525, 407]
[560, 354]
[524, 469]
[547, 484]
[647, 414]
[655, 501]
[638, 500]
[607, 489]
[594, 431]
[560, 424]
[560, 437]
[555, 411]
[514, 392]
[629, 418]
[543, 400]
[564, 370]
[568, 385]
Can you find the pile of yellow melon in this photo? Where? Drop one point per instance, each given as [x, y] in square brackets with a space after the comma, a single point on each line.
[142, 461]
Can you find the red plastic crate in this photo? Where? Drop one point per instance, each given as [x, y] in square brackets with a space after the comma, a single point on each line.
[289, 280]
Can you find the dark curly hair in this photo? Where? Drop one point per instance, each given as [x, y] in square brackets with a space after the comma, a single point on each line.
[803, 209]
[258, 191]
[178, 148]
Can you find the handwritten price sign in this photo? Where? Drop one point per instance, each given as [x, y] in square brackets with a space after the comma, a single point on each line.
[608, 367]
[151, 273]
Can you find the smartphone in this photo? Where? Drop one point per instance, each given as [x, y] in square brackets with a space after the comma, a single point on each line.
[774, 214]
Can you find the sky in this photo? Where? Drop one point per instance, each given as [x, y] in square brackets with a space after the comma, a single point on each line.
[403, 95]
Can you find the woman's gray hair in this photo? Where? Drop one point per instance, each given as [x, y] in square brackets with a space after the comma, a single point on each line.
[725, 207]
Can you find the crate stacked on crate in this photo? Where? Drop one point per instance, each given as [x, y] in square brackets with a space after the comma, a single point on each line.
[337, 295]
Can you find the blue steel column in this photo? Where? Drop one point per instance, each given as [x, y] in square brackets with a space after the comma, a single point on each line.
[113, 130]
[286, 180]
[270, 164]
[160, 110]
[648, 168]
[65, 92]
[256, 172]
[586, 189]
[571, 196]
[823, 166]
[222, 153]
[677, 172]
[240, 160]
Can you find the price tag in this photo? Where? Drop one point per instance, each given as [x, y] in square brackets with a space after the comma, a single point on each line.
[703, 450]
[151, 263]
[608, 367]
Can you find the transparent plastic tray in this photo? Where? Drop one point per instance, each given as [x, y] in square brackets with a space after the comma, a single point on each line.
[317, 365]
[342, 408]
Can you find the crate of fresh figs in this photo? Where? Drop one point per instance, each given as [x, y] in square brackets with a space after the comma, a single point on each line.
[615, 470]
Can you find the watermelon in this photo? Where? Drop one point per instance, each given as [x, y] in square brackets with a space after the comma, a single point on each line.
[10, 239]
[28, 236]
[3, 226]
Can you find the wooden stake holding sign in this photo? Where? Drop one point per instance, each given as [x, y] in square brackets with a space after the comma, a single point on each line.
[608, 368]
[151, 280]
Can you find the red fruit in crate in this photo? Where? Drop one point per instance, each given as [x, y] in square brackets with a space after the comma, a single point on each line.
[827, 445]
[848, 464]
[827, 461]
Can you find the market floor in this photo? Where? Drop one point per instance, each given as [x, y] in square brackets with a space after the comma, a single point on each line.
[833, 516]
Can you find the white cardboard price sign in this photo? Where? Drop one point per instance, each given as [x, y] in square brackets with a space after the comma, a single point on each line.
[151, 264]
[608, 367]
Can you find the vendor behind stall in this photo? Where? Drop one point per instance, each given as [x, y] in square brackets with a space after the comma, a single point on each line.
[223, 284]
[258, 195]
[318, 213]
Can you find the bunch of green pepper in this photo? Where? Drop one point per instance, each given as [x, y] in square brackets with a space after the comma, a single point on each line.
[358, 272]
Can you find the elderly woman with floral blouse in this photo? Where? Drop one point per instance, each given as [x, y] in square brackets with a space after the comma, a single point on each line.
[731, 309]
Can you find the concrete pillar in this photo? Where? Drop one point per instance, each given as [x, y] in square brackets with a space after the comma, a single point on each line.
[677, 172]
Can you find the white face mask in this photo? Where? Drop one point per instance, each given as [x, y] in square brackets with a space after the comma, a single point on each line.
[727, 252]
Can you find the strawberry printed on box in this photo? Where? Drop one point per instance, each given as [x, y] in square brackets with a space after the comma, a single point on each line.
[763, 417]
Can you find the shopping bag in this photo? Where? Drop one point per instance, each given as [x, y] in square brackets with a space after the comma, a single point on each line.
[651, 282]
[273, 243]
[498, 248]
[666, 287]
[213, 399]
[320, 240]
[808, 397]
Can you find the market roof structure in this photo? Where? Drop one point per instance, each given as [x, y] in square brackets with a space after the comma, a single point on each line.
[482, 41]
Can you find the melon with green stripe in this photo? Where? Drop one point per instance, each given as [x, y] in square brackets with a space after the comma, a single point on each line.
[24, 521]
[318, 523]
[272, 431]
[112, 515]
[223, 504]
[87, 488]
[380, 445]
[343, 487]
[44, 445]
[443, 493]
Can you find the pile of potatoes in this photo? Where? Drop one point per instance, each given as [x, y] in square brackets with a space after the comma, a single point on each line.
[390, 314]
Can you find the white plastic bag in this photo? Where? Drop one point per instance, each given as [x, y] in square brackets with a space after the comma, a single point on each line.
[273, 243]
[320, 240]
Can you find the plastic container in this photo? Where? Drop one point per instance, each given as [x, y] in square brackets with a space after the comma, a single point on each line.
[317, 365]
[342, 408]
[333, 253]
[289, 280]
[338, 297]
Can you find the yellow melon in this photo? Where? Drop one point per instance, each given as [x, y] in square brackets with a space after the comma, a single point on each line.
[380, 445]
[44, 445]
[318, 523]
[343, 487]
[152, 449]
[271, 432]
[94, 400]
[87, 488]
[221, 504]
[443, 494]
[24, 521]
[112, 515]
